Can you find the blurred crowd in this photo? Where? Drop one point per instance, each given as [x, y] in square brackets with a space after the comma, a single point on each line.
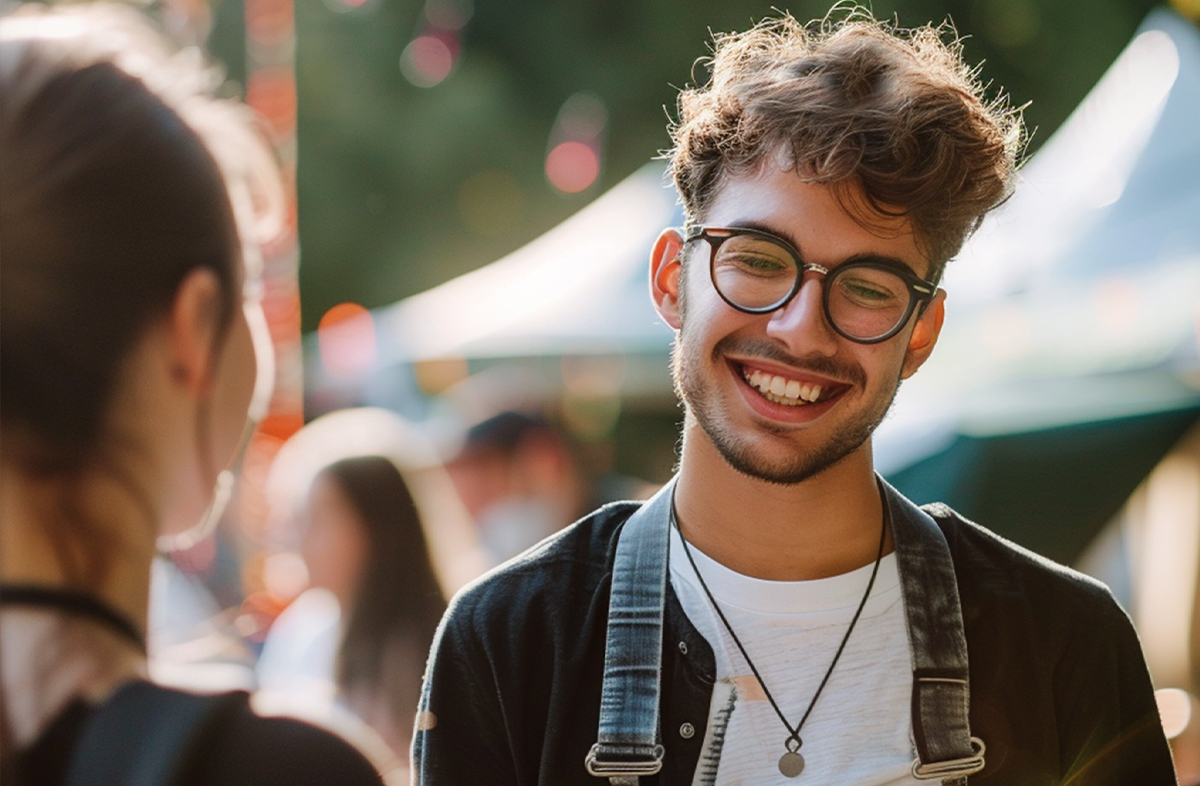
[372, 528]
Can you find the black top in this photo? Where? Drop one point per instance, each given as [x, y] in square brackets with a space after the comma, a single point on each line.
[1059, 687]
[244, 750]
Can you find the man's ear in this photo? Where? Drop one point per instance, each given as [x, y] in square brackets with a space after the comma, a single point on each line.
[193, 330]
[666, 264]
[925, 335]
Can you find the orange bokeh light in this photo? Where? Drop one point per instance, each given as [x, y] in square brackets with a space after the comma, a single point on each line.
[272, 93]
[346, 338]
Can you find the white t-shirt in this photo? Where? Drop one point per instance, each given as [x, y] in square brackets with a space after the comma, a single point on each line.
[859, 733]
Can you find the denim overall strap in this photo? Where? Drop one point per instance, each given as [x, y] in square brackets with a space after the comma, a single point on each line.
[941, 695]
[627, 744]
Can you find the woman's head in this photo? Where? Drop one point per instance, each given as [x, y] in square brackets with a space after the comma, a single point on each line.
[363, 537]
[365, 542]
[115, 218]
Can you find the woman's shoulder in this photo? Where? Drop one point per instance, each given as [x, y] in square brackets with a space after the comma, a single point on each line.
[203, 740]
[250, 748]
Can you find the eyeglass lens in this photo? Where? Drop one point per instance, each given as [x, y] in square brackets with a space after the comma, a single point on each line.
[755, 273]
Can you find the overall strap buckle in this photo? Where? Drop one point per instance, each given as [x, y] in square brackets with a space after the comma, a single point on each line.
[623, 764]
[941, 697]
[627, 745]
[952, 769]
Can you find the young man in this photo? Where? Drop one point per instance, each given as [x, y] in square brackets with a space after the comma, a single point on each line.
[778, 612]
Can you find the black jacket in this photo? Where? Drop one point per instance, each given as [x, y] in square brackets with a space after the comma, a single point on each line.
[236, 748]
[1059, 687]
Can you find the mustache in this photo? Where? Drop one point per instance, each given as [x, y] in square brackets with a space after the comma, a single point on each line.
[767, 350]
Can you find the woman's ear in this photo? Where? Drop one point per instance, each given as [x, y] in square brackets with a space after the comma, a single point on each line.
[666, 264]
[193, 330]
[925, 335]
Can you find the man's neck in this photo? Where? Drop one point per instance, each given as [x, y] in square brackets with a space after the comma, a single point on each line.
[824, 526]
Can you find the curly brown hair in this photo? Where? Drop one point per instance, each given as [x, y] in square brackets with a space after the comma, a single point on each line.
[853, 100]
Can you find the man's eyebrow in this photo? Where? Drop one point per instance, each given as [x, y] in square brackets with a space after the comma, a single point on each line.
[881, 259]
[759, 226]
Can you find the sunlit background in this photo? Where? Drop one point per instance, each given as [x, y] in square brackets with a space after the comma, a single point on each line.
[476, 190]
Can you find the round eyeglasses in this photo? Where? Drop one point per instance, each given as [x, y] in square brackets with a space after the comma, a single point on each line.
[866, 301]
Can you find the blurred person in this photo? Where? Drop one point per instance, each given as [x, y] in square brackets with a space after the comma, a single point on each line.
[778, 611]
[364, 545]
[517, 476]
[129, 359]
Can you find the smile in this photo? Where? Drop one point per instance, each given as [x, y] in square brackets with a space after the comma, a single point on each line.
[781, 390]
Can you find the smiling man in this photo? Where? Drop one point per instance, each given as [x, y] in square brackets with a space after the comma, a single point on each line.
[778, 613]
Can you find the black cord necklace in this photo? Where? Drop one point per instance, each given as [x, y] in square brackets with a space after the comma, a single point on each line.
[73, 602]
[791, 764]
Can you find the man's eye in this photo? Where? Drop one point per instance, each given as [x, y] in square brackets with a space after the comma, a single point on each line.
[865, 292]
[756, 264]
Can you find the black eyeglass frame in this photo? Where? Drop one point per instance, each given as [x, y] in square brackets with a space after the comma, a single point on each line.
[920, 291]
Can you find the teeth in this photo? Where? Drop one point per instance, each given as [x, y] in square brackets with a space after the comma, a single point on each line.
[781, 390]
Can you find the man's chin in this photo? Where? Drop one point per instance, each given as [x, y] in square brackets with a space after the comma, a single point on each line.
[782, 463]
[784, 473]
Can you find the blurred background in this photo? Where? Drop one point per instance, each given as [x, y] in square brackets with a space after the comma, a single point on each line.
[463, 291]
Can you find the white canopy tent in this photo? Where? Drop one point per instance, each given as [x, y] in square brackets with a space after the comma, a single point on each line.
[1078, 299]
[579, 289]
[1068, 365]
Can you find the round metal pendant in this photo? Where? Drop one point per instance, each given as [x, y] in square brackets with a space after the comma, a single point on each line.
[791, 764]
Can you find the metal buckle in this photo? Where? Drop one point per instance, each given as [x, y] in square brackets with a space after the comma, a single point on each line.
[951, 768]
[617, 769]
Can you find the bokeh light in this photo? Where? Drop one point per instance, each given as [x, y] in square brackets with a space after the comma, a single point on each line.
[449, 15]
[1175, 709]
[346, 6]
[427, 60]
[272, 93]
[572, 166]
[284, 574]
[270, 22]
[436, 376]
[346, 339]
[583, 117]
[1189, 8]
[573, 163]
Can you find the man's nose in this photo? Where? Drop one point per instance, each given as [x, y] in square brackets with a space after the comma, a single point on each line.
[800, 325]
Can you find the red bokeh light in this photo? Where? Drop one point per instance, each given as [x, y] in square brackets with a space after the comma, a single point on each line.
[572, 166]
[427, 60]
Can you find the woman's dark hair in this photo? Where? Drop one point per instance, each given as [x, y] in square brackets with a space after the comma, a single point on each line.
[398, 601]
[109, 196]
[119, 176]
